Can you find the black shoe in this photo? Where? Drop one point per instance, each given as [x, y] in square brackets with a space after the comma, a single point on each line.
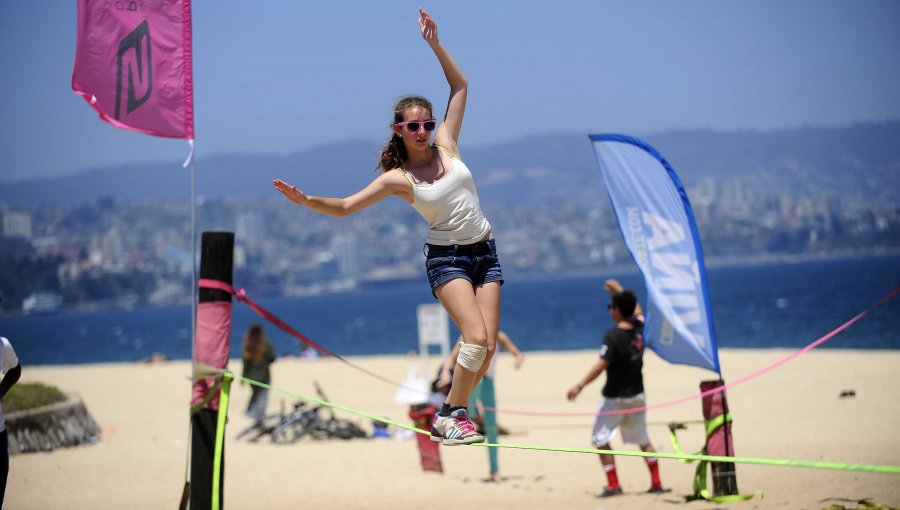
[658, 490]
[608, 493]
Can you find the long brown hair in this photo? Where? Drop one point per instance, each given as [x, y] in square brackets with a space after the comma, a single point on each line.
[394, 152]
[254, 344]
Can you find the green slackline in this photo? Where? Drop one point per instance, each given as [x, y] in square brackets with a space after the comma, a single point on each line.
[220, 437]
[837, 466]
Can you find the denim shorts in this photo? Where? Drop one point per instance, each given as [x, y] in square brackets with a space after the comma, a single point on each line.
[477, 263]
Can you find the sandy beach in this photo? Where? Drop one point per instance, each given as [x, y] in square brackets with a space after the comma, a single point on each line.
[793, 412]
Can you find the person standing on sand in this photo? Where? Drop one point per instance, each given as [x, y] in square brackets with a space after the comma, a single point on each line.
[12, 370]
[258, 355]
[461, 259]
[621, 357]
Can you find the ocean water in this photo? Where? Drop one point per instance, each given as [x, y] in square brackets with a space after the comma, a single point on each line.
[784, 305]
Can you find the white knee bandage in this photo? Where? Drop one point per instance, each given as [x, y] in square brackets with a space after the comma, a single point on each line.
[471, 356]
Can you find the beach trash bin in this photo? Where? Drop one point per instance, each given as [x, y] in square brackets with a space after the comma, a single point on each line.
[429, 451]
[718, 440]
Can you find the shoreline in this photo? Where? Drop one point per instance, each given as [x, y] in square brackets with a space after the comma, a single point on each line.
[616, 270]
[158, 358]
[728, 262]
[153, 360]
[793, 412]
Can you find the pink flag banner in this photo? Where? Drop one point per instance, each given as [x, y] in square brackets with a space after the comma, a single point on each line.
[133, 64]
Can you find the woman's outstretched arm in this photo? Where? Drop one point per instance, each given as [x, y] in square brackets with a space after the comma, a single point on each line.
[448, 132]
[385, 185]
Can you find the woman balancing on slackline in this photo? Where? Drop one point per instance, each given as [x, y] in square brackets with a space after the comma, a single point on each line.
[461, 259]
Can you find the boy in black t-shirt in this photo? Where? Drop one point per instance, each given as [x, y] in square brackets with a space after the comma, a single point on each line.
[621, 356]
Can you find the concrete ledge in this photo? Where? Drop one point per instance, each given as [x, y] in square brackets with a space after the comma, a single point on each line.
[59, 425]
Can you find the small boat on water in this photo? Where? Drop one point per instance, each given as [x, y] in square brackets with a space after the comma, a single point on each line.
[42, 302]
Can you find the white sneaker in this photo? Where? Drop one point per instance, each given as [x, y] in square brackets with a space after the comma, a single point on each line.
[454, 429]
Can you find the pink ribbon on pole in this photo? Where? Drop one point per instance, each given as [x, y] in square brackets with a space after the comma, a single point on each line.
[241, 295]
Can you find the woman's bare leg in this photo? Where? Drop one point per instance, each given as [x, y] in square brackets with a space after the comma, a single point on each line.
[461, 301]
[488, 297]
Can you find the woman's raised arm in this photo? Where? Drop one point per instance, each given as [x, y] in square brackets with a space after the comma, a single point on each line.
[448, 132]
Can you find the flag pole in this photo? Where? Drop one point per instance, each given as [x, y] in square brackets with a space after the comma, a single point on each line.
[193, 285]
[186, 491]
[190, 161]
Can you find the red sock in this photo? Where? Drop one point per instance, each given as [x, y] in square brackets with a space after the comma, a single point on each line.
[611, 475]
[653, 466]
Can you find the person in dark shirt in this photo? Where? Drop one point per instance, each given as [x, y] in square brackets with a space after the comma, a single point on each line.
[621, 357]
[258, 355]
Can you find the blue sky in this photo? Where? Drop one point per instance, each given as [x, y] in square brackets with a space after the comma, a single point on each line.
[283, 76]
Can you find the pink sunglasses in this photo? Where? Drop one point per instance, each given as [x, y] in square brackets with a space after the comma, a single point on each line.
[413, 125]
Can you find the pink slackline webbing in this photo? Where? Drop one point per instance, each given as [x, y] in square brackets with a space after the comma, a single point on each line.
[241, 295]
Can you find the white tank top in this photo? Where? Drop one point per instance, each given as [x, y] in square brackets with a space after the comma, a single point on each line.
[450, 206]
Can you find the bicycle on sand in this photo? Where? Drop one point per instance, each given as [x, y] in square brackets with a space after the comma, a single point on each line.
[317, 422]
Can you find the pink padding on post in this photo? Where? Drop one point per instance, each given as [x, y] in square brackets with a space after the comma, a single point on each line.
[715, 405]
[213, 346]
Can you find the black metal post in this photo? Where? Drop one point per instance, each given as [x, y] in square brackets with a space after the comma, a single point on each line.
[216, 263]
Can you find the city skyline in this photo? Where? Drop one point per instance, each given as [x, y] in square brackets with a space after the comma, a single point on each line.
[124, 253]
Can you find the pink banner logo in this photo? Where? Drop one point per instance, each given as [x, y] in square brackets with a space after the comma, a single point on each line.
[131, 51]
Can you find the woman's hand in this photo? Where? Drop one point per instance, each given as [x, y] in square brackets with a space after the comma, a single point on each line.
[291, 192]
[447, 134]
[428, 27]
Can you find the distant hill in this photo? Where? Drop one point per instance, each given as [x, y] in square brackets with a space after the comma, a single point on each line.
[860, 162]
